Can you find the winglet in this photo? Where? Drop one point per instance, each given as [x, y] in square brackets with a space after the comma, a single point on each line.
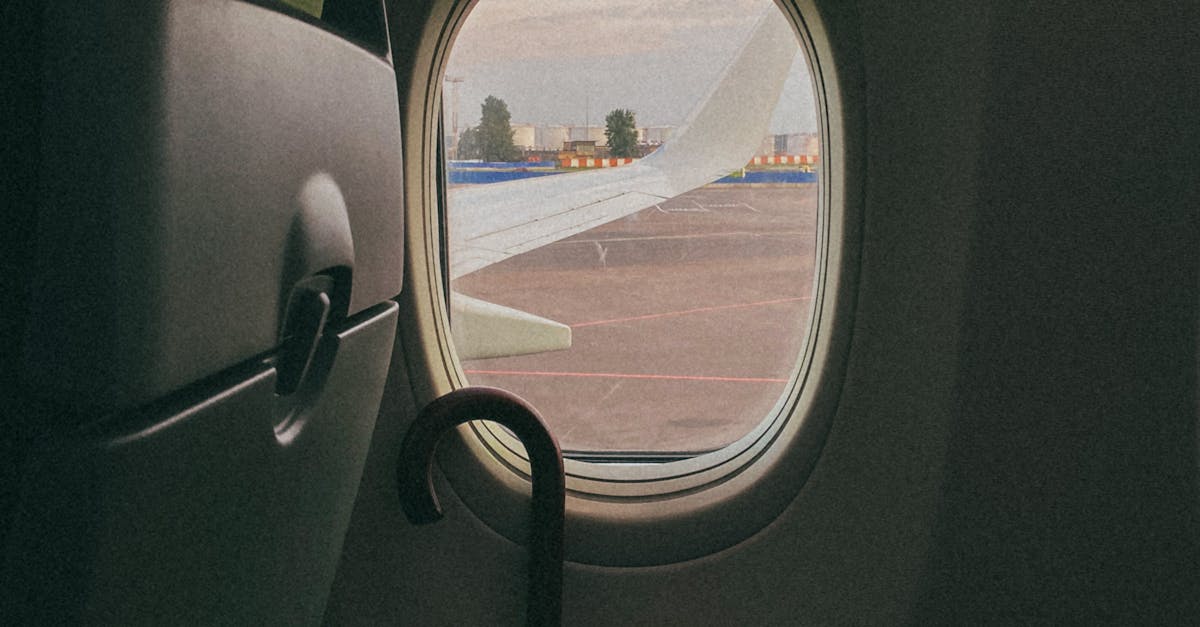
[725, 129]
[482, 329]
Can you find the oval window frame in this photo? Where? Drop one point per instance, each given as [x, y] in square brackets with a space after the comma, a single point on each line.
[643, 514]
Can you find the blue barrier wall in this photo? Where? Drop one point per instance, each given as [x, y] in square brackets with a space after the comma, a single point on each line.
[503, 165]
[772, 176]
[477, 173]
[483, 177]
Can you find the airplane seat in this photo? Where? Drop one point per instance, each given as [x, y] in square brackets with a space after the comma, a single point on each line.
[196, 321]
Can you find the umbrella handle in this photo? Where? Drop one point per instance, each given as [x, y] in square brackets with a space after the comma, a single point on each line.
[420, 503]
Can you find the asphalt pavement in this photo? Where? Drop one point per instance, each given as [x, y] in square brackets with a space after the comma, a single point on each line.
[687, 320]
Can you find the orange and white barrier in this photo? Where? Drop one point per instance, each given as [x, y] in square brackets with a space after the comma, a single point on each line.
[587, 162]
[785, 160]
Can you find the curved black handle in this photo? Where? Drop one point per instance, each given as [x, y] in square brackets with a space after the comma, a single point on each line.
[420, 504]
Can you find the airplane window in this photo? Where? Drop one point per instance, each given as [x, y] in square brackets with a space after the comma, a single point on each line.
[632, 216]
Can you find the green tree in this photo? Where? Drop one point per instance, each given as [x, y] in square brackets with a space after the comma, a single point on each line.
[495, 132]
[621, 131]
[468, 144]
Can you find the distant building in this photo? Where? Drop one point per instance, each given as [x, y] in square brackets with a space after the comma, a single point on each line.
[524, 136]
[551, 137]
[802, 144]
[554, 138]
[588, 133]
[582, 148]
[767, 147]
[790, 144]
[655, 135]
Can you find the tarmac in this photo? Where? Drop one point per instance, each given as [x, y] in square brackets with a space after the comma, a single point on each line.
[687, 319]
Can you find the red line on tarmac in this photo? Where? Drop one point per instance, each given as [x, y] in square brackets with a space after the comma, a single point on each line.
[689, 311]
[616, 375]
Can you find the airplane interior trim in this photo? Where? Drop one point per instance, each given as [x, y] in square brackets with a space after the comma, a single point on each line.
[223, 304]
[639, 515]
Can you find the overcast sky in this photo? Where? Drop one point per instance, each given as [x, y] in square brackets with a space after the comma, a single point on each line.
[559, 61]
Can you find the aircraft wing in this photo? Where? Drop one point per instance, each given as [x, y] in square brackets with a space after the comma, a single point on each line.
[490, 223]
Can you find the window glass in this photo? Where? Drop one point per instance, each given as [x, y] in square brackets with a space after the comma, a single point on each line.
[632, 215]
